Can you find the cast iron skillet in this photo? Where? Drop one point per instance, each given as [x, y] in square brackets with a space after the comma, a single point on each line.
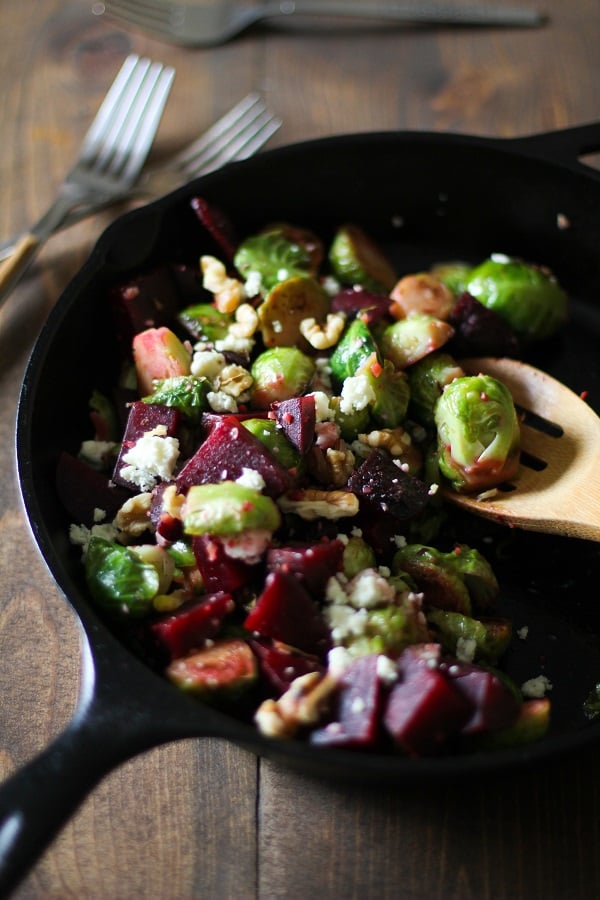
[426, 197]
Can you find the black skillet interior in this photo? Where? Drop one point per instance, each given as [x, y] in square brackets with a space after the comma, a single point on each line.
[426, 198]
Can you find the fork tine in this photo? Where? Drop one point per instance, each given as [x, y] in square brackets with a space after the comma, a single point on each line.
[246, 143]
[97, 129]
[149, 15]
[217, 149]
[141, 123]
[227, 122]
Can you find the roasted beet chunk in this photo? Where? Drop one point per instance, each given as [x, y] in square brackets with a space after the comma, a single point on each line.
[280, 664]
[82, 490]
[313, 564]
[494, 705]
[144, 418]
[297, 418]
[220, 571]
[285, 612]
[146, 301]
[217, 224]
[227, 451]
[351, 301]
[382, 487]
[358, 711]
[479, 331]
[424, 710]
[193, 623]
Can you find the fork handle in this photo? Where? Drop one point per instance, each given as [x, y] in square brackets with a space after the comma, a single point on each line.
[12, 269]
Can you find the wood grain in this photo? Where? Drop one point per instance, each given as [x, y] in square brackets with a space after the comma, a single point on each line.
[202, 819]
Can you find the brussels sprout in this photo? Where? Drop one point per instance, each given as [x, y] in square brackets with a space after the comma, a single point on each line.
[304, 237]
[453, 274]
[528, 297]
[279, 373]
[351, 422]
[104, 417]
[387, 630]
[286, 305]
[478, 433]
[205, 322]
[357, 260]
[409, 340]
[273, 256]
[490, 637]
[354, 348]
[272, 436]
[120, 582]
[187, 393]
[427, 379]
[358, 555]
[228, 508]
[392, 394]
[182, 554]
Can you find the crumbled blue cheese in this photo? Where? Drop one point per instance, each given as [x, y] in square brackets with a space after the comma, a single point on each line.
[522, 633]
[387, 670]
[219, 401]
[338, 660]
[323, 411]
[466, 649]
[94, 453]
[357, 394]
[207, 363]
[536, 688]
[152, 458]
[251, 478]
[370, 589]
[80, 535]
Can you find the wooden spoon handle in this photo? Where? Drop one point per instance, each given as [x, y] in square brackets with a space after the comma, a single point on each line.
[12, 268]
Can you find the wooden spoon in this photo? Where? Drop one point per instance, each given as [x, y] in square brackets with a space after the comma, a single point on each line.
[557, 488]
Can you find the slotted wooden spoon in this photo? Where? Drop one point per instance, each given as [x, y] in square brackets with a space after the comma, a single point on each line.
[557, 488]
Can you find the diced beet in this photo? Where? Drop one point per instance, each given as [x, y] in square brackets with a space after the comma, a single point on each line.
[425, 710]
[352, 301]
[193, 623]
[146, 301]
[82, 490]
[217, 224]
[380, 485]
[314, 564]
[357, 722]
[479, 331]
[494, 705]
[144, 417]
[280, 664]
[285, 612]
[228, 449]
[297, 417]
[220, 571]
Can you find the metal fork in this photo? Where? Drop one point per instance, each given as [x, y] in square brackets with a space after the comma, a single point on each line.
[111, 157]
[237, 135]
[217, 21]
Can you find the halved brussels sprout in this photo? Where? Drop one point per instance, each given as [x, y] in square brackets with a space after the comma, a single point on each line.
[357, 260]
[478, 433]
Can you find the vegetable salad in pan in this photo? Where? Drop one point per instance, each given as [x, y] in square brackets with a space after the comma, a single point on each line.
[258, 503]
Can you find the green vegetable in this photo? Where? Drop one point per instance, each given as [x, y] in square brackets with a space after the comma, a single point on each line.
[358, 555]
[119, 580]
[427, 379]
[187, 393]
[287, 305]
[392, 394]
[478, 433]
[456, 580]
[104, 417]
[528, 297]
[409, 340]
[279, 373]
[491, 637]
[454, 275]
[228, 508]
[205, 322]
[182, 553]
[357, 260]
[355, 348]
[591, 706]
[272, 436]
[273, 256]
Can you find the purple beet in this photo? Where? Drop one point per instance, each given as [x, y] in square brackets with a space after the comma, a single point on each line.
[357, 720]
[144, 417]
[297, 418]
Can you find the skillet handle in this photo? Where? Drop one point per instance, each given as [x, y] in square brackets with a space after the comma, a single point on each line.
[564, 146]
[39, 798]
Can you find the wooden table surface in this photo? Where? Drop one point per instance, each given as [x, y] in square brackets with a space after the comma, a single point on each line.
[200, 818]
